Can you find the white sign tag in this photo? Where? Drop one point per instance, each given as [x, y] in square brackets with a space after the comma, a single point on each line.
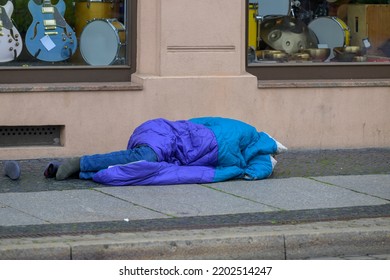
[48, 42]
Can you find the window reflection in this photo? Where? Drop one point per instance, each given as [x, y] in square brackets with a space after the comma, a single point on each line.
[327, 31]
[62, 32]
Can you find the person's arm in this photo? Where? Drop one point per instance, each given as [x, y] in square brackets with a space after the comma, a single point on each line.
[259, 167]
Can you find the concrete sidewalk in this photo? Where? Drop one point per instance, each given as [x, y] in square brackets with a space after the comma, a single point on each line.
[284, 217]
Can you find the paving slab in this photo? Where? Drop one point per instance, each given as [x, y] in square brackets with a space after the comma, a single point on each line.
[73, 206]
[186, 200]
[13, 217]
[297, 193]
[375, 185]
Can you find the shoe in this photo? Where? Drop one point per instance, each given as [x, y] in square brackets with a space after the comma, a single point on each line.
[12, 170]
[51, 169]
[69, 168]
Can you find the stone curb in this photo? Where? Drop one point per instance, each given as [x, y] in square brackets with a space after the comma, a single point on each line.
[300, 241]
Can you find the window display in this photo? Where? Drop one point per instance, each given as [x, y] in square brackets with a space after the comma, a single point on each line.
[62, 32]
[327, 31]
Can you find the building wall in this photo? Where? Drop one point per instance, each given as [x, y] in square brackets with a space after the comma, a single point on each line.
[190, 63]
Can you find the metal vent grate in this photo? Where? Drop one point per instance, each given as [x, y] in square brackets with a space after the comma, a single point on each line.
[14, 136]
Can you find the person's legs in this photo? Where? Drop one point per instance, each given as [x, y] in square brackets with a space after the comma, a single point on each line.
[102, 161]
[86, 175]
[90, 164]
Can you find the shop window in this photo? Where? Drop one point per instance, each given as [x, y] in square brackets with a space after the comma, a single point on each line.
[67, 40]
[318, 39]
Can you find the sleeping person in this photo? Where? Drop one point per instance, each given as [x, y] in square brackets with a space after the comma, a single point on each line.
[160, 152]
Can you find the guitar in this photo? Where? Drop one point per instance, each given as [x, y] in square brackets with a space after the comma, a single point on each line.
[10, 41]
[49, 37]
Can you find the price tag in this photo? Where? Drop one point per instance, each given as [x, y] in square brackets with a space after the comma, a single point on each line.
[48, 42]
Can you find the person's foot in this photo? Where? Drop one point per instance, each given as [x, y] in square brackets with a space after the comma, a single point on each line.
[69, 168]
[12, 170]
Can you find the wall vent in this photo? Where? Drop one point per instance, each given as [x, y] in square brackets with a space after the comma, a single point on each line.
[15, 136]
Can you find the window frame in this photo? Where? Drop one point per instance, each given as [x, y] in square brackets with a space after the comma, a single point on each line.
[315, 71]
[76, 74]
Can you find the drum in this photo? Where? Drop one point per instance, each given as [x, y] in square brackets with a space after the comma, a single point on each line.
[274, 7]
[252, 26]
[86, 10]
[103, 41]
[331, 31]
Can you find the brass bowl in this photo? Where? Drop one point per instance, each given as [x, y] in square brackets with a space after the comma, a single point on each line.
[352, 49]
[279, 56]
[274, 54]
[318, 54]
[359, 58]
[266, 53]
[346, 54]
[300, 56]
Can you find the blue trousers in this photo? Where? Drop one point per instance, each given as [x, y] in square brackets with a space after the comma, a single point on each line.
[91, 164]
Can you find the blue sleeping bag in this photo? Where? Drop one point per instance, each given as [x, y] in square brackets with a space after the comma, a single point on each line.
[200, 150]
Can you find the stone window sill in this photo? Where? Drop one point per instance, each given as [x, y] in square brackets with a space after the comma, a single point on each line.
[323, 83]
[61, 87]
